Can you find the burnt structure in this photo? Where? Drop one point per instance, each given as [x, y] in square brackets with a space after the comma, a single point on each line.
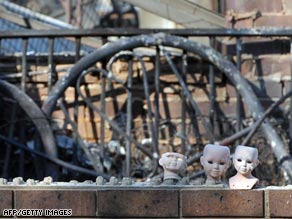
[144, 103]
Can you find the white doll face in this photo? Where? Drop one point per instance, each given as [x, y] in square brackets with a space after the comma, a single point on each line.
[173, 161]
[215, 161]
[245, 159]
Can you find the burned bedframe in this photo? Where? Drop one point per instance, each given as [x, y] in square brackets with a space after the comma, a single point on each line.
[166, 46]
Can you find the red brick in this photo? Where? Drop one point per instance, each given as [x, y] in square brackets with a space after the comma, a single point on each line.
[227, 108]
[262, 89]
[91, 130]
[91, 78]
[170, 105]
[138, 203]
[273, 64]
[222, 203]
[231, 91]
[271, 89]
[113, 106]
[274, 21]
[279, 203]
[254, 5]
[82, 203]
[258, 47]
[269, 67]
[247, 67]
[192, 78]
[6, 200]
[59, 114]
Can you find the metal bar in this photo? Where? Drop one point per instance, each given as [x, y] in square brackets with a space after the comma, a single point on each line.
[76, 104]
[21, 154]
[23, 88]
[150, 116]
[147, 97]
[129, 118]
[107, 119]
[156, 98]
[102, 109]
[95, 162]
[105, 32]
[102, 106]
[195, 125]
[34, 113]
[54, 159]
[24, 64]
[290, 120]
[206, 125]
[10, 136]
[258, 123]
[50, 63]
[77, 48]
[37, 162]
[212, 95]
[183, 104]
[238, 97]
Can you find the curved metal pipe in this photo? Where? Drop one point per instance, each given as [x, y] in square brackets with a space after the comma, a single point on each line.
[205, 52]
[35, 114]
[39, 120]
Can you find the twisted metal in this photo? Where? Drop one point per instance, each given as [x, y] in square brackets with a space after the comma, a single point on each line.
[205, 52]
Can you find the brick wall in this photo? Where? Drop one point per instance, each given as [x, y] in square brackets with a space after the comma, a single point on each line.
[265, 61]
[151, 202]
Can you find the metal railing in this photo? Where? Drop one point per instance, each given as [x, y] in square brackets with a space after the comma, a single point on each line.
[158, 43]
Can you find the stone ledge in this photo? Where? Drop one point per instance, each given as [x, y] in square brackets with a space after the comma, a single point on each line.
[221, 203]
[6, 200]
[104, 201]
[138, 203]
[279, 203]
[82, 202]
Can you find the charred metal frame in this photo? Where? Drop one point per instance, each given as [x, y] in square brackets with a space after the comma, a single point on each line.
[176, 38]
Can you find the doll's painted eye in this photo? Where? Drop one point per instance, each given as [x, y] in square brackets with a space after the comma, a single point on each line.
[249, 161]
[222, 163]
[239, 160]
[210, 161]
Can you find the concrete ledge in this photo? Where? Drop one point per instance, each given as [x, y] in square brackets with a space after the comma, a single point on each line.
[6, 200]
[138, 203]
[151, 202]
[279, 203]
[82, 202]
[222, 203]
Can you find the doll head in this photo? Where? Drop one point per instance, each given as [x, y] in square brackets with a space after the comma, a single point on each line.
[215, 161]
[172, 163]
[245, 159]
